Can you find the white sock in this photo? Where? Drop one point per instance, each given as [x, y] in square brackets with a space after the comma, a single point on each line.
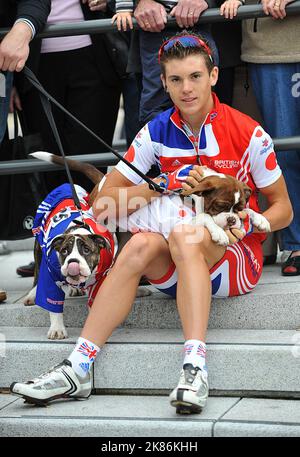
[195, 352]
[83, 356]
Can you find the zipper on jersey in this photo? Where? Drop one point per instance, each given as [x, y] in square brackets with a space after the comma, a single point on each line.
[194, 143]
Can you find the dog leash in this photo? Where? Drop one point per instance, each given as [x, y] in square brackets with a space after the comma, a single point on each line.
[46, 98]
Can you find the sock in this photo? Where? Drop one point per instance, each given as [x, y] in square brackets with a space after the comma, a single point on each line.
[195, 351]
[83, 356]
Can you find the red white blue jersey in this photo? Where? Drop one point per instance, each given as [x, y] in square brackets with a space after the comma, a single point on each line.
[54, 216]
[229, 142]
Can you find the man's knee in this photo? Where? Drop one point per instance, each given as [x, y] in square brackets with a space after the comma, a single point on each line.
[186, 241]
[137, 252]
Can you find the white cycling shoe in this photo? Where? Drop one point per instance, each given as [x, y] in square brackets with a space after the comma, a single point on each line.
[60, 381]
[192, 391]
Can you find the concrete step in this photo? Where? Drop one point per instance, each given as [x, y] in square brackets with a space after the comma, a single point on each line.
[149, 416]
[269, 306]
[253, 361]
[274, 304]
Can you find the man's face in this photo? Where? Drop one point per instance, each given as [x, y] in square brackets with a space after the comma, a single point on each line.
[189, 84]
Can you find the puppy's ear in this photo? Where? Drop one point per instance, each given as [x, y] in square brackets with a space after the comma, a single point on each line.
[247, 192]
[57, 242]
[100, 241]
[205, 186]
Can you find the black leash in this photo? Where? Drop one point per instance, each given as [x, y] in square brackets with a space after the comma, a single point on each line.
[45, 99]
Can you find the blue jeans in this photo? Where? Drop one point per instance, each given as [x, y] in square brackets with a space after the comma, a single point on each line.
[279, 104]
[5, 87]
[154, 99]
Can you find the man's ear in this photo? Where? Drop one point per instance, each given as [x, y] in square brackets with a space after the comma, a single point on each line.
[214, 76]
[163, 80]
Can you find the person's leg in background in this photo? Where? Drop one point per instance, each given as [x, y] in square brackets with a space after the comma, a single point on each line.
[93, 101]
[131, 97]
[279, 104]
[6, 80]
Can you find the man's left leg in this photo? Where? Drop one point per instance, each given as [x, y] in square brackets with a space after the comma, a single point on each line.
[193, 253]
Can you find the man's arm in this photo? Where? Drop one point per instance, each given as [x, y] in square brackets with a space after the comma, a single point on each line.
[14, 48]
[34, 11]
[280, 211]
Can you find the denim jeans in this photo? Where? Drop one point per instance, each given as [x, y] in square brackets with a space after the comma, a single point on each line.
[154, 99]
[279, 102]
[5, 90]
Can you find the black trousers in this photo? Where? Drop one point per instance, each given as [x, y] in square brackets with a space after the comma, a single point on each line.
[74, 80]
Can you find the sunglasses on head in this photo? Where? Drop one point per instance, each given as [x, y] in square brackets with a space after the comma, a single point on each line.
[186, 41]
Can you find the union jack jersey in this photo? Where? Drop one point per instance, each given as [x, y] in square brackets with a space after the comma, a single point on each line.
[229, 142]
[54, 216]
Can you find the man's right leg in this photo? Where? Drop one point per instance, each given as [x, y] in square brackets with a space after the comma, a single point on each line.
[145, 254]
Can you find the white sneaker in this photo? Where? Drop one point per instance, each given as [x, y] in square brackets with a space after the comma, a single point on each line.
[59, 382]
[192, 391]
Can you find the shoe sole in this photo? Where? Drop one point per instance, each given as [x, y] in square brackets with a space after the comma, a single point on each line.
[183, 407]
[39, 402]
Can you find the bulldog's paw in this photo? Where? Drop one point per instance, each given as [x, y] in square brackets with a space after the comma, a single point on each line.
[57, 330]
[29, 300]
[57, 333]
[219, 236]
[142, 292]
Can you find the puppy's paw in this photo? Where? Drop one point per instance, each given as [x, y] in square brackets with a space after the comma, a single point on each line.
[57, 333]
[29, 300]
[261, 223]
[219, 236]
[143, 292]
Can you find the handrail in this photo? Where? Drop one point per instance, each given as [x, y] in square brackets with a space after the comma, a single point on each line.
[104, 25]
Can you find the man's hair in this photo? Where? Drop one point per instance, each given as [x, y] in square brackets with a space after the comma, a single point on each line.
[180, 52]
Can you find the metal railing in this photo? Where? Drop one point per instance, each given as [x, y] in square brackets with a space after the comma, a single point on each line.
[103, 26]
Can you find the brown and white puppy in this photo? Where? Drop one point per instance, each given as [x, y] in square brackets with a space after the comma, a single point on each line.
[218, 200]
[79, 252]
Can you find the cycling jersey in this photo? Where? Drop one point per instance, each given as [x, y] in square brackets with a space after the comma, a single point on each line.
[229, 142]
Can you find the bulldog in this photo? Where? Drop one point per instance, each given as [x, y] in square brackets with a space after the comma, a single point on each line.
[72, 252]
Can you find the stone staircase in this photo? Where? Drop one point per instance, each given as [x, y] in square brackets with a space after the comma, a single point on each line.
[253, 361]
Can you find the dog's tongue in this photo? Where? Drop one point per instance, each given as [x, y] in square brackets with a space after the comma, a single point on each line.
[73, 269]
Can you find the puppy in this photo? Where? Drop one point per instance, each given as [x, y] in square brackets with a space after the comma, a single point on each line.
[72, 252]
[218, 200]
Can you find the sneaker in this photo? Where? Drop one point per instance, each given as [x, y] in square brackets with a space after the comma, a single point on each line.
[192, 391]
[26, 270]
[3, 295]
[60, 382]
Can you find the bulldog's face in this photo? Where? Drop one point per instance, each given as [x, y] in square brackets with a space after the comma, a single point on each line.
[78, 253]
[224, 196]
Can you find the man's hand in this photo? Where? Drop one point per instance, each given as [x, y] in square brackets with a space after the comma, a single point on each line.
[275, 8]
[150, 15]
[14, 48]
[187, 12]
[96, 5]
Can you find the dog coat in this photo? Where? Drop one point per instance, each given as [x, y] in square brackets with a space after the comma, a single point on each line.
[54, 216]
